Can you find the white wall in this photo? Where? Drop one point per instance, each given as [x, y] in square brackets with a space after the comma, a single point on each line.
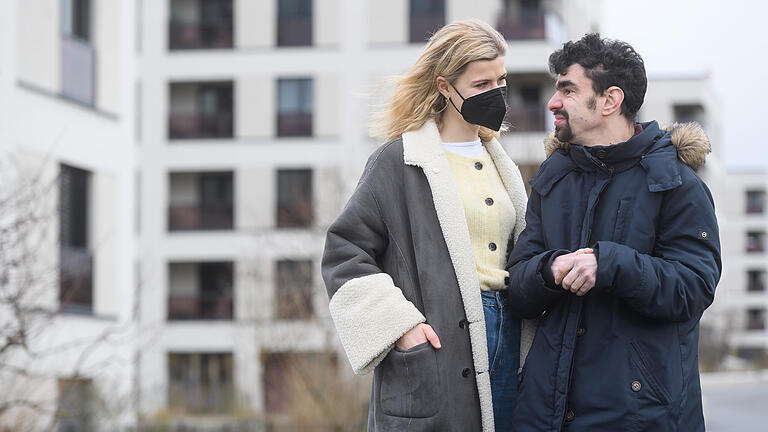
[39, 44]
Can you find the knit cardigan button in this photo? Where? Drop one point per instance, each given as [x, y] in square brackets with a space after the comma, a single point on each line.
[489, 201]
[478, 166]
[492, 246]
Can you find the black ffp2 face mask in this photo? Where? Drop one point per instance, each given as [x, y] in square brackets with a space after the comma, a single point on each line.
[484, 109]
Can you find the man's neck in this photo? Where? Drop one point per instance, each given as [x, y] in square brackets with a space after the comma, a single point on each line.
[612, 133]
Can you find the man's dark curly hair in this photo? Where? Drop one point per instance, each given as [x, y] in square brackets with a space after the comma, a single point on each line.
[607, 63]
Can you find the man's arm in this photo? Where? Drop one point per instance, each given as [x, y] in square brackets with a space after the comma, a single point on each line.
[531, 282]
[677, 281]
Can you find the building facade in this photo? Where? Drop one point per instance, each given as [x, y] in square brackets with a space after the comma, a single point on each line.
[67, 156]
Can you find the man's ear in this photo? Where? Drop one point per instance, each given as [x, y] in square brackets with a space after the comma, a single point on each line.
[614, 96]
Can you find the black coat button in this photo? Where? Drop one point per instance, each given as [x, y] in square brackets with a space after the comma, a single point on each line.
[569, 416]
[601, 154]
[465, 373]
[580, 331]
[463, 323]
[489, 201]
[636, 386]
[506, 280]
[520, 378]
[492, 246]
[478, 166]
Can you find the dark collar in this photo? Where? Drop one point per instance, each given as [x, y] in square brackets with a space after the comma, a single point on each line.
[651, 148]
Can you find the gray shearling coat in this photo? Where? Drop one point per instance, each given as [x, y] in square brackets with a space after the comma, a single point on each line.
[398, 255]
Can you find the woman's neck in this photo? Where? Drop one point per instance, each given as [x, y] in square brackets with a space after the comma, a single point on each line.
[453, 128]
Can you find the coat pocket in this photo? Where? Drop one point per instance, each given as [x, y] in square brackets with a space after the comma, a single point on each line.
[410, 385]
[623, 215]
[647, 377]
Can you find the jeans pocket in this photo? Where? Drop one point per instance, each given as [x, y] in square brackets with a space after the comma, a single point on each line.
[410, 385]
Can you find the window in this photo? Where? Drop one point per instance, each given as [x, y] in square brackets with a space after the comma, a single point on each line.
[293, 289]
[689, 113]
[201, 110]
[77, 52]
[755, 201]
[294, 198]
[76, 262]
[290, 377]
[76, 409]
[200, 291]
[294, 22]
[756, 319]
[755, 241]
[756, 280]
[426, 17]
[201, 383]
[526, 110]
[200, 24]
[522, 19]
[201, 201]
[294, 107]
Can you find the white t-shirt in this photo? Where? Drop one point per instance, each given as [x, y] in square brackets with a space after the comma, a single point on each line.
[467, 149]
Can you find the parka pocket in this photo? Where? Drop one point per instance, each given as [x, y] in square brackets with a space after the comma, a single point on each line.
[647, 377]
[623, 215]
[410, 384]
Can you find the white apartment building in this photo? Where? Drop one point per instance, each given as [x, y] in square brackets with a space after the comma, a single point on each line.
[253, 133]
[743, 299]
[66, 128]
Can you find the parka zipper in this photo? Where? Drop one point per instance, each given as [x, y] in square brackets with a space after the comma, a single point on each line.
[611, 171]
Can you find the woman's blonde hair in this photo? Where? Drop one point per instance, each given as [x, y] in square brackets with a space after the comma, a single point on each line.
[416, 98]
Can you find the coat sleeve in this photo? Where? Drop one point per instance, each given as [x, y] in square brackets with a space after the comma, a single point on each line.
[677, 281]
[370, 313]
[529, 293]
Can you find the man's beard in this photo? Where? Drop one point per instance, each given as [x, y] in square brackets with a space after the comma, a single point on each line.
[563, 132]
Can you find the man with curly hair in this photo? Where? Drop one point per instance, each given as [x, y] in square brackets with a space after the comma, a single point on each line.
[619, 259]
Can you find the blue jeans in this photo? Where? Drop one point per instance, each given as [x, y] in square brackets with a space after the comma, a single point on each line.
[503, 334]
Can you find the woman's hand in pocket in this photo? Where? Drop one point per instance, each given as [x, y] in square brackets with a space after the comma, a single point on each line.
[418, 335]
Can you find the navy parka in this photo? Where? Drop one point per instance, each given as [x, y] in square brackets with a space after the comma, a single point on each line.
[624, 356]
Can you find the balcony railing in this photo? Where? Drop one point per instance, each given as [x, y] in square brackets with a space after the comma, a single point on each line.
[527, 24]
[206, 34]
[756, 287]
[294, 31]
[526, 118]
[755, 246]
[294, 124]
[422, 27]
[75, 280]
[196, 217]
[756, 324]
[755, 208]
[202, 307]
[191, 126]
[77, 70]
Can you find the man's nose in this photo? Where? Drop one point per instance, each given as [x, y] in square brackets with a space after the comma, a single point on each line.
[554, 103]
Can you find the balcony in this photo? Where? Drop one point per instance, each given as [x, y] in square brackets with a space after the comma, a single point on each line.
[423, 26]
[526, 118]
[200, 307]
[295, 31]
[756, 324]
[75, 280]
[527, 24]
[77, 70]
[292, 125]
[200, 217]
[205, 34]
[191, 126]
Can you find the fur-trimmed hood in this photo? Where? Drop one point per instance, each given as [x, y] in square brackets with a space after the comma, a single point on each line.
[690, 140]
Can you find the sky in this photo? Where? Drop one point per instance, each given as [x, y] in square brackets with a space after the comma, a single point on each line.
[724, 40]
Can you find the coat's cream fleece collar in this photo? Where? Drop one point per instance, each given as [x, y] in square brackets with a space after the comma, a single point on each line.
[690, 139]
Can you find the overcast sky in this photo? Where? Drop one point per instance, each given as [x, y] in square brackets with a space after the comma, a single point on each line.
[727, 40]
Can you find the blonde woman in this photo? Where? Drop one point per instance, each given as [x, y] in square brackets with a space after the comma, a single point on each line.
[415, 264]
